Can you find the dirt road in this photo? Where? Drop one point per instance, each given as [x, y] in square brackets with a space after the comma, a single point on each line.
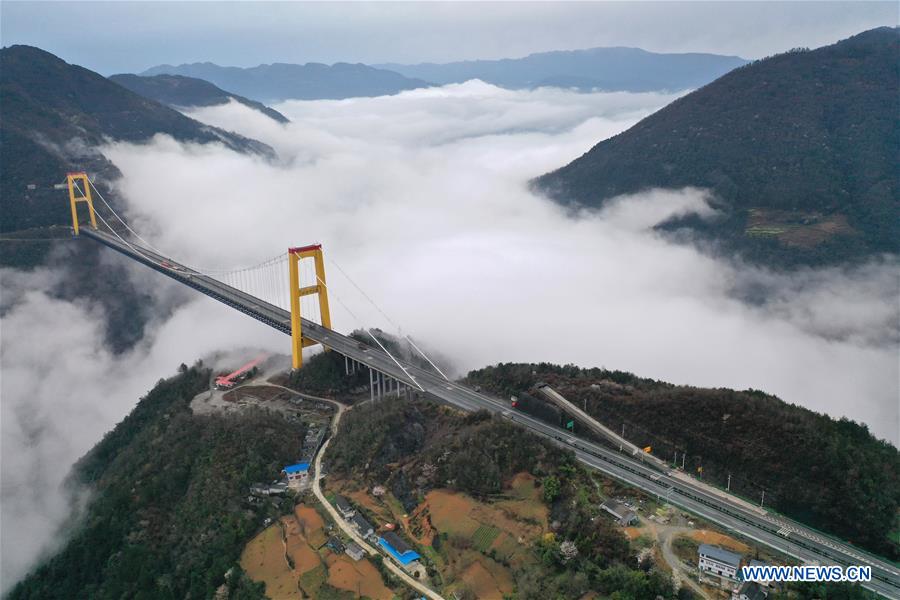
[345, 527]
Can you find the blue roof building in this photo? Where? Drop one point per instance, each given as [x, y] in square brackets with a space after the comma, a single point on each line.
[297, 475]
[298, 468]
[397, 548]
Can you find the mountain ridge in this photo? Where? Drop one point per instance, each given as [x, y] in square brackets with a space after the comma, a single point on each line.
[56, 114]
[276, 82]
[799, 150]
[615, 68]
[179, 91]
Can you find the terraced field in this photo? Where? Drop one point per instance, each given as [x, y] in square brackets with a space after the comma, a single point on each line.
[484, 537]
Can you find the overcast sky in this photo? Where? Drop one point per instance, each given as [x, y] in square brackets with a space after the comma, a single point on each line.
[132, 36]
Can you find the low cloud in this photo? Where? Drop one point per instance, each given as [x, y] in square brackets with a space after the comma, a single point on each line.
[63, 389]
[422, 198]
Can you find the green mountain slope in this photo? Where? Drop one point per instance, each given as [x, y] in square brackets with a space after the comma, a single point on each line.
[180, 91]
[54, 115]
[167, 517]
[831, 474]
[800, 150]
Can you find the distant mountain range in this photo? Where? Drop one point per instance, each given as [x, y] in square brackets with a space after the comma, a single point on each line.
[611, 69]
[312, 81]
[55, 115]
[179, 91]
[800, 150]
[628, 69]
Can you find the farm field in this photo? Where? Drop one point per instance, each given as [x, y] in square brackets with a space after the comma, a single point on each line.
[360, 578]
[488, 579]
[288, 557]
[524, 500]
[483, 541]
[263, 560]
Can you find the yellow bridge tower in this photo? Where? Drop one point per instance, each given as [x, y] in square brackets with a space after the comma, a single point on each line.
[84, 195]
[295, 255]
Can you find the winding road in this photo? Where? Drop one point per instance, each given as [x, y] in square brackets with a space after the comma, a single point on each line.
[345, 527]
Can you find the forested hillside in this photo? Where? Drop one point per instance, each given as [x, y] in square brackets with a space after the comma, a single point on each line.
[55, 115]
[800, 151]
[167, 517]
[179, 91]
[831, 474]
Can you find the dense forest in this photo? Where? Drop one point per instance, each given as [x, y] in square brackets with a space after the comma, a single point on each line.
[831, 474]
[799, 149]
[167, 517]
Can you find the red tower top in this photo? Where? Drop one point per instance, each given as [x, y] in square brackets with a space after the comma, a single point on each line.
[304, 248]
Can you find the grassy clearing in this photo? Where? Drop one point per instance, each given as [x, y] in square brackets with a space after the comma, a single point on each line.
[894, 536]
[484, 537]
[685, 549]
[312, 580]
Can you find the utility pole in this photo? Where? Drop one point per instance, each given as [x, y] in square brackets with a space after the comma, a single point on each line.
[728, 487]
[763, 501]
[683, 454]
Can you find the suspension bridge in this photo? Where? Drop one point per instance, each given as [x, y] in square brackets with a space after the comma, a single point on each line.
[298, 305]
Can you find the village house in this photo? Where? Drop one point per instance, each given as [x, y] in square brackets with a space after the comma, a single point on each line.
[623, 515]
[361, 526]
[297, 476]
[749, 590]
[718, 561]
[394, 545]
[355, 551]
[345, 508]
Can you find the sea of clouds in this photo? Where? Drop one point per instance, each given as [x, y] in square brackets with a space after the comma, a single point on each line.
[422, 198]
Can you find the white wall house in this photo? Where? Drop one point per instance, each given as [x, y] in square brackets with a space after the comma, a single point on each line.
[297, 475]
[719, 561]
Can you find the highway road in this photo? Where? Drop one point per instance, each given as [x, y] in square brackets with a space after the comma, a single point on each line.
[774, 531]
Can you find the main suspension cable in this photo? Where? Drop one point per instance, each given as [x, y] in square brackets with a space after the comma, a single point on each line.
[368, 331]
[391, 321]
